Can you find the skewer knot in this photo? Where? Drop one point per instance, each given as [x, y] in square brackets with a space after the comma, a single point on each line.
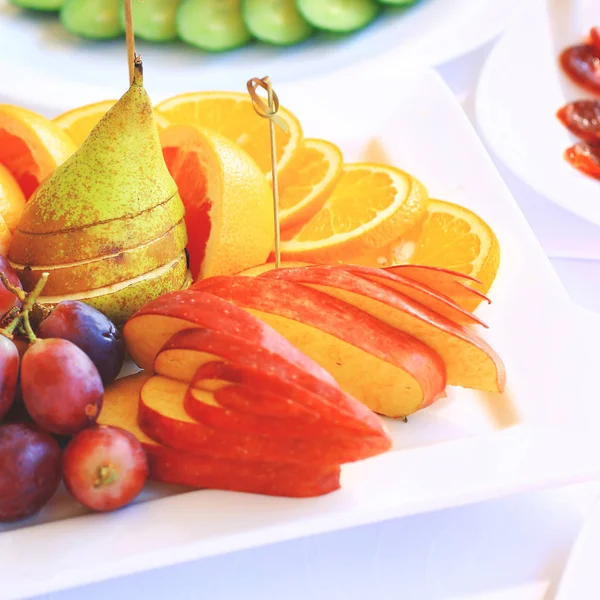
[264, 110]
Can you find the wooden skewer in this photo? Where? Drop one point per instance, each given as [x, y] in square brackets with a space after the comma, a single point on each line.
[129, 39]
[269, 111]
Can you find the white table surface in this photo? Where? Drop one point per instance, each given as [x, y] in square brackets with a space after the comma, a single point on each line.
[508, 549]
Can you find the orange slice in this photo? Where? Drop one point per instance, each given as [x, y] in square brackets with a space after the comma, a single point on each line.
[232, 115]
[228, 201]
[370, 206]
[307, 182]
[5, 237]
[79, 122]
[31, 146]
[453, 237]
[12, 199]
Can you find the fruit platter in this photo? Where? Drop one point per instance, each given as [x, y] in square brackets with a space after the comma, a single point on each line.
[231, 319]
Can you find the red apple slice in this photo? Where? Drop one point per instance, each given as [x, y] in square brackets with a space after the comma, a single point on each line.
[425, 295]
[147, 330]
[186, 351]
[411, 287]
[470, 361]
[163, 417]
[239, 390]
[120, 409]
[389, 371]
[453, 284]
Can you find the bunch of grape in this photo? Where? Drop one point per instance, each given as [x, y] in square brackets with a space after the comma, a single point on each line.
[215, 25]
[52, 377]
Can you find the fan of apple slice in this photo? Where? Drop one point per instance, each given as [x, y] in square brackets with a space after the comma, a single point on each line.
[169, 465]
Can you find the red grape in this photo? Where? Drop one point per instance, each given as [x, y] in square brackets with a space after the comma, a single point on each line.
[104, 467]
[9, 372]
[8, 299]
[30, 470]
[61, 387]
[91, 331]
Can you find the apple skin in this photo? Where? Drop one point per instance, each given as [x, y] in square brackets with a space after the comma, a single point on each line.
[271, 479]
[470, 361]
[258, 368]
[453, 284]
[239, 391]
[120, 409]
[162, 417]
[426, 295]
[389, 371]
[152, 326]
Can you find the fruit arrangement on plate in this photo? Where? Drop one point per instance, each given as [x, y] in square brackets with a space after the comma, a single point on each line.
[151, 230]
[216, 25]
[582, 117]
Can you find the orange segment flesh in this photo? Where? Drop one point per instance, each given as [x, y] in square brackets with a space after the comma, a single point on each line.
[12, 199]
[228, 201]
[453, 237]
[31, 146]
[370, 206]
[308, 181]
[232, 115]
[5, 237]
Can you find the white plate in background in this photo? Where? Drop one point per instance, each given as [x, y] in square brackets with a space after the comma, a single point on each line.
[469, 447]
[521, 88]
[45, 68]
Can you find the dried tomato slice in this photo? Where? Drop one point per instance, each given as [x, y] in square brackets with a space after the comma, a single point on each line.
[582, 118]
[582, 65]
[585, 157]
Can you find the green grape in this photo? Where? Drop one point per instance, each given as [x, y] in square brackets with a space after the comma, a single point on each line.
[275, 21]
[154, 20]
[213, 25]
[94, 19]
[44, 5]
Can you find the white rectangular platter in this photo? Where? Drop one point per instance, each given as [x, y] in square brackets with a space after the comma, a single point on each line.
[466, 448]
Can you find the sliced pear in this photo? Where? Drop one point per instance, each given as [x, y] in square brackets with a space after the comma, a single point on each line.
[90, 274]
[96, 241]
[121, 300]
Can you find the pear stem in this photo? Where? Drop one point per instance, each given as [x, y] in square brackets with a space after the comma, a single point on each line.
[130, 39]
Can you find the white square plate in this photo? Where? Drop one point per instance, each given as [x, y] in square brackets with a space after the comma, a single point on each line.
[466, 448]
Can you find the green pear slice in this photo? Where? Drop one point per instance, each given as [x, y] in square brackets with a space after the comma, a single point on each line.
[96, 241]
[90, 274]
[121, 300]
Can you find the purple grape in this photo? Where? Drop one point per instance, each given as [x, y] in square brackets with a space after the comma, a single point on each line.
[89, 330]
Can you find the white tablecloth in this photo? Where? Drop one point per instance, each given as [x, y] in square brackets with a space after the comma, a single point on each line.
[509, 549]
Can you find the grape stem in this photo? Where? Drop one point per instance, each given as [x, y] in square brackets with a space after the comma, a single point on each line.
[28, 303]
[13, 289]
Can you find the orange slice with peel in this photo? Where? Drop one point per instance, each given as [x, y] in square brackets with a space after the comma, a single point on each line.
[31, 146]
[370, 206]
[228, 201]
[232, 115]
[307, 181]
[12, 199]
[455, 238]
[5, 237]
[79, 122]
